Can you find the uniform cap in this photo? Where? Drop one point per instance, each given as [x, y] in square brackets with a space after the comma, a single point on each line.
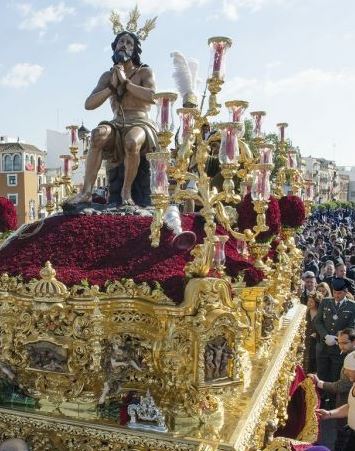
[340, 284]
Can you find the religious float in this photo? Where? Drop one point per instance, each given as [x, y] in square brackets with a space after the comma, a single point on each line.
[169, 326]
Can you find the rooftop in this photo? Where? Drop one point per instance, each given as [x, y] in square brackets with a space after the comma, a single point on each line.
[20, 147]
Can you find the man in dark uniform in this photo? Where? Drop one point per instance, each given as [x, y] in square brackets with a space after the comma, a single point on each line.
[333, 315]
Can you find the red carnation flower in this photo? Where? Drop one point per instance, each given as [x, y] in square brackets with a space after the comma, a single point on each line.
[253, 276]
[8, 218]
[292, 210]
[247, 217]
[102, 248]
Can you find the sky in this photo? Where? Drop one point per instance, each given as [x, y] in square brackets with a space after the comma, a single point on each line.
[295, 59]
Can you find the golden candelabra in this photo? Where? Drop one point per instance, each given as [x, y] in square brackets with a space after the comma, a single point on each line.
[188, 169]
[70, 165]
[289, 170]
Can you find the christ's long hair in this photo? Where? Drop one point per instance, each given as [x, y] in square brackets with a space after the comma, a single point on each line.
[137, 50]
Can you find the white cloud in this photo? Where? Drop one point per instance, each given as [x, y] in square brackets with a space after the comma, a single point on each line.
[97, 21]
[230, 9]
[146, 6]
[76, 47]
[22, 75]
[41, 18]
[314, 79]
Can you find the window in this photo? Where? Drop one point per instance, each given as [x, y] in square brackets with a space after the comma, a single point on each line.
[12, 180]
[13, 198]
[7, 162]
[17, 162]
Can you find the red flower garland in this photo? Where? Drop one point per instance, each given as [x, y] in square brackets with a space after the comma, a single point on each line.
[8, 218]
[293, 213]
[102, 248]
[247, 217]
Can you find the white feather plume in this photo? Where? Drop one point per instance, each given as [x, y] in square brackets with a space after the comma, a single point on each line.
[185, 73]
[193, 65]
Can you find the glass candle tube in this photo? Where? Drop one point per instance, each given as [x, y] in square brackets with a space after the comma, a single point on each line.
[74, 137]
[219, 257]
[229, 147]
[266, 154]
[292, 160]
[258, 117]
[309, 191]
[67, 165]
[187, 123]
[165, 115]
[261, 189]
[219, 46]
[236, 109]
[282, 130]
[159, 183]
[49, 195]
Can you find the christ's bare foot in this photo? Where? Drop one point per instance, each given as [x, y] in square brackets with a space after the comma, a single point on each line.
[127, 198]
[79, 198]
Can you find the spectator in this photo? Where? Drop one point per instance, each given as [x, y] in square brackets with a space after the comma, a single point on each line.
[324, 290]
[350, 273]
[333, 315]
[328, 273]
[346, 410]
[310, 264]
[340, 272]
[310, 285]
[340, 388]
[311, 335]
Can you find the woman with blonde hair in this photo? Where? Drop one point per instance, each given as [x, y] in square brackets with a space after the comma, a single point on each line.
[324, 290]
[313, 301]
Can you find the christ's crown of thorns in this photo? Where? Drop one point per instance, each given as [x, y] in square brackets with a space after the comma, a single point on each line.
[132, 24]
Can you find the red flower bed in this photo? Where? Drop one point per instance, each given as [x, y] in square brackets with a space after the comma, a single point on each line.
[101, 248]
[247, 217]
[292, 210]
[8, 219]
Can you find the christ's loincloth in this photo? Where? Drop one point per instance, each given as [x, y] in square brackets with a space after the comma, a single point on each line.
[115, 156]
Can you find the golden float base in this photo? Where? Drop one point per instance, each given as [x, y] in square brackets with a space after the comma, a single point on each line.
[239, 424]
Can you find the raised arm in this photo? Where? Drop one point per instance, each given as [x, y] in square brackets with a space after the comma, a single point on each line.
[101, 93]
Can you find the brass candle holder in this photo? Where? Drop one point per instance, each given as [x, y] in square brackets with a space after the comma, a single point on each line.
[219, 46]
[74, 145]
[159, 186]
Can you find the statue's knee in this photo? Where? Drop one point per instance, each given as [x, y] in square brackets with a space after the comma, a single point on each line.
[99, 136]
[131, 145]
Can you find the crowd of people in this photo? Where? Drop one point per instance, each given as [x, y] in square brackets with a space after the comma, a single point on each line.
[328, 291]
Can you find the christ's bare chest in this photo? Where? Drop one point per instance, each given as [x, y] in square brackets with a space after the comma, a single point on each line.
[129, 101]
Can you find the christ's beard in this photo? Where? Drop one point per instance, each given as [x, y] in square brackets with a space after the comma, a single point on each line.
[121, 56]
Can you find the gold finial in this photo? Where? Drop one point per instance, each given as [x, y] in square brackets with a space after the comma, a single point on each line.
[132, 24]
[133, 19]
[147, 28]
[117, 26]
[49, 286]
